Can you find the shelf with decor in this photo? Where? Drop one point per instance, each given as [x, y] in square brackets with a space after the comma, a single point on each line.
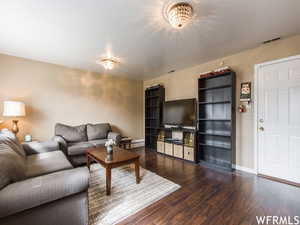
[214, 87]
[216, 120]
[182, 147]
[219, 102]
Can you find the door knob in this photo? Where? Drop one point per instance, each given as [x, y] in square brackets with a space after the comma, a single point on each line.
[261, 129]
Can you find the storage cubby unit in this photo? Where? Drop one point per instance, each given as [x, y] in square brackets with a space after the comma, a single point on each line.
[181, 148]
[154, 98]
[216, 120]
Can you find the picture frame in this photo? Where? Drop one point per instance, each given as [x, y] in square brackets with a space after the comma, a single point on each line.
[245, 93]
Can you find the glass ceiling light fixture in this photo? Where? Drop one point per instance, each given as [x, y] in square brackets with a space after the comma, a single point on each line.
[179, 14]
[107, 63]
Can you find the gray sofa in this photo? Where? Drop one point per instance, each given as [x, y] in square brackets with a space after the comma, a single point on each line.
[75, 140]
[38, 185]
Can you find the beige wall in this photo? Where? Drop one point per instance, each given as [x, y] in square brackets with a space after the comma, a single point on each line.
[183, 84]
[55, 93]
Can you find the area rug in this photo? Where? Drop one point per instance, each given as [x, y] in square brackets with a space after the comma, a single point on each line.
[126, 197]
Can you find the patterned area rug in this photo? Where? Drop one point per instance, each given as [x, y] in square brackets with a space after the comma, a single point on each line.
[126, 197]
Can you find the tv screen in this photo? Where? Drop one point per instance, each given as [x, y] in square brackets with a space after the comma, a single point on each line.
[180, 112]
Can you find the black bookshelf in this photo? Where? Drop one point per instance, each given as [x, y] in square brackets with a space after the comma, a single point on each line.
[154, 98]
[216, 120]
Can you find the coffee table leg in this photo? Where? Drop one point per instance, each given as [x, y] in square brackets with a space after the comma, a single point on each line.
[137, 171]
[108, 180]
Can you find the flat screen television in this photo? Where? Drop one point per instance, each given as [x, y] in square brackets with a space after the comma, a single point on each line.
[180, 112]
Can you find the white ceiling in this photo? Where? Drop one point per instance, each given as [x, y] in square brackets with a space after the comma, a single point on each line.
[75, 32]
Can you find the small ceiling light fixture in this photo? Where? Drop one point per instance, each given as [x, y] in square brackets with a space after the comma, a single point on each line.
[180, 14]
[107, 63]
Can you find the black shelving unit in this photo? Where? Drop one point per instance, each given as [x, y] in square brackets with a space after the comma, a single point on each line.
[154, 98]
[216, 120]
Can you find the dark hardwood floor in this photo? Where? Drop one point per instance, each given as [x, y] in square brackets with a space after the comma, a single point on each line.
[211, 197]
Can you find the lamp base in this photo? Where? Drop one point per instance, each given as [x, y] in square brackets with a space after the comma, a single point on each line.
[15, 128]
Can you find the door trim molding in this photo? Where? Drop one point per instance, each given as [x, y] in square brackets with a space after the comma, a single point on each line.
[257, 67]
[279, 180]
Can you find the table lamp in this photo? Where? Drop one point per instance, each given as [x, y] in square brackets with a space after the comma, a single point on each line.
[14, 109]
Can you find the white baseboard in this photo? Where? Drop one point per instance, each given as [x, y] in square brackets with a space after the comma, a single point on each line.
[244, 169]
[137, 143]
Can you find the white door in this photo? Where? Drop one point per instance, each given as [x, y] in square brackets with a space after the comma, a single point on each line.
[279, 120]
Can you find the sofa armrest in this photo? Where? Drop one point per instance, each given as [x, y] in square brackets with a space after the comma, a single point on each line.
[36, 147]
[115, 136]
[33, 192]
[63, 145]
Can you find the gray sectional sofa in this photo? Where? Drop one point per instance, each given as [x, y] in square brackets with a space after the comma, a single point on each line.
[38, 185]
[75, 140]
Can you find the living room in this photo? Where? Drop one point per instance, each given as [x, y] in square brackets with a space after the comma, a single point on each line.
[161, 112]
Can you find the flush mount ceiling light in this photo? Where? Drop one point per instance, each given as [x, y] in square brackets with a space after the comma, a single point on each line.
[107, 63]
[180, 14]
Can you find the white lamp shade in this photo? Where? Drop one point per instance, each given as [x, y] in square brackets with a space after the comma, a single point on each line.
[14, 109]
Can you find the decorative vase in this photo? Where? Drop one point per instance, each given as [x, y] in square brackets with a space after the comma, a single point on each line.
[109, 149]
[109, 157]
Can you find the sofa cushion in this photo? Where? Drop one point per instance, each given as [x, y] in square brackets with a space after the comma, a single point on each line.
[97, 131]
[8, 138]
[12, 166]
[37, 191]
[72, 210]
[36, 147]
[79, 148]
[78, 160]
[71, 133]
[97, 143]
[44, 163]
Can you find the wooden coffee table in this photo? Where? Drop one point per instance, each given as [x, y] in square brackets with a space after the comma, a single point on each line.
[120, 157]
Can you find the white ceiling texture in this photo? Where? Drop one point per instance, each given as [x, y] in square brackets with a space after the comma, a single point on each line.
[75, 33]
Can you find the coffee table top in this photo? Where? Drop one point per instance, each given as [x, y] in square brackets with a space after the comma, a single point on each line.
[119, 155]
